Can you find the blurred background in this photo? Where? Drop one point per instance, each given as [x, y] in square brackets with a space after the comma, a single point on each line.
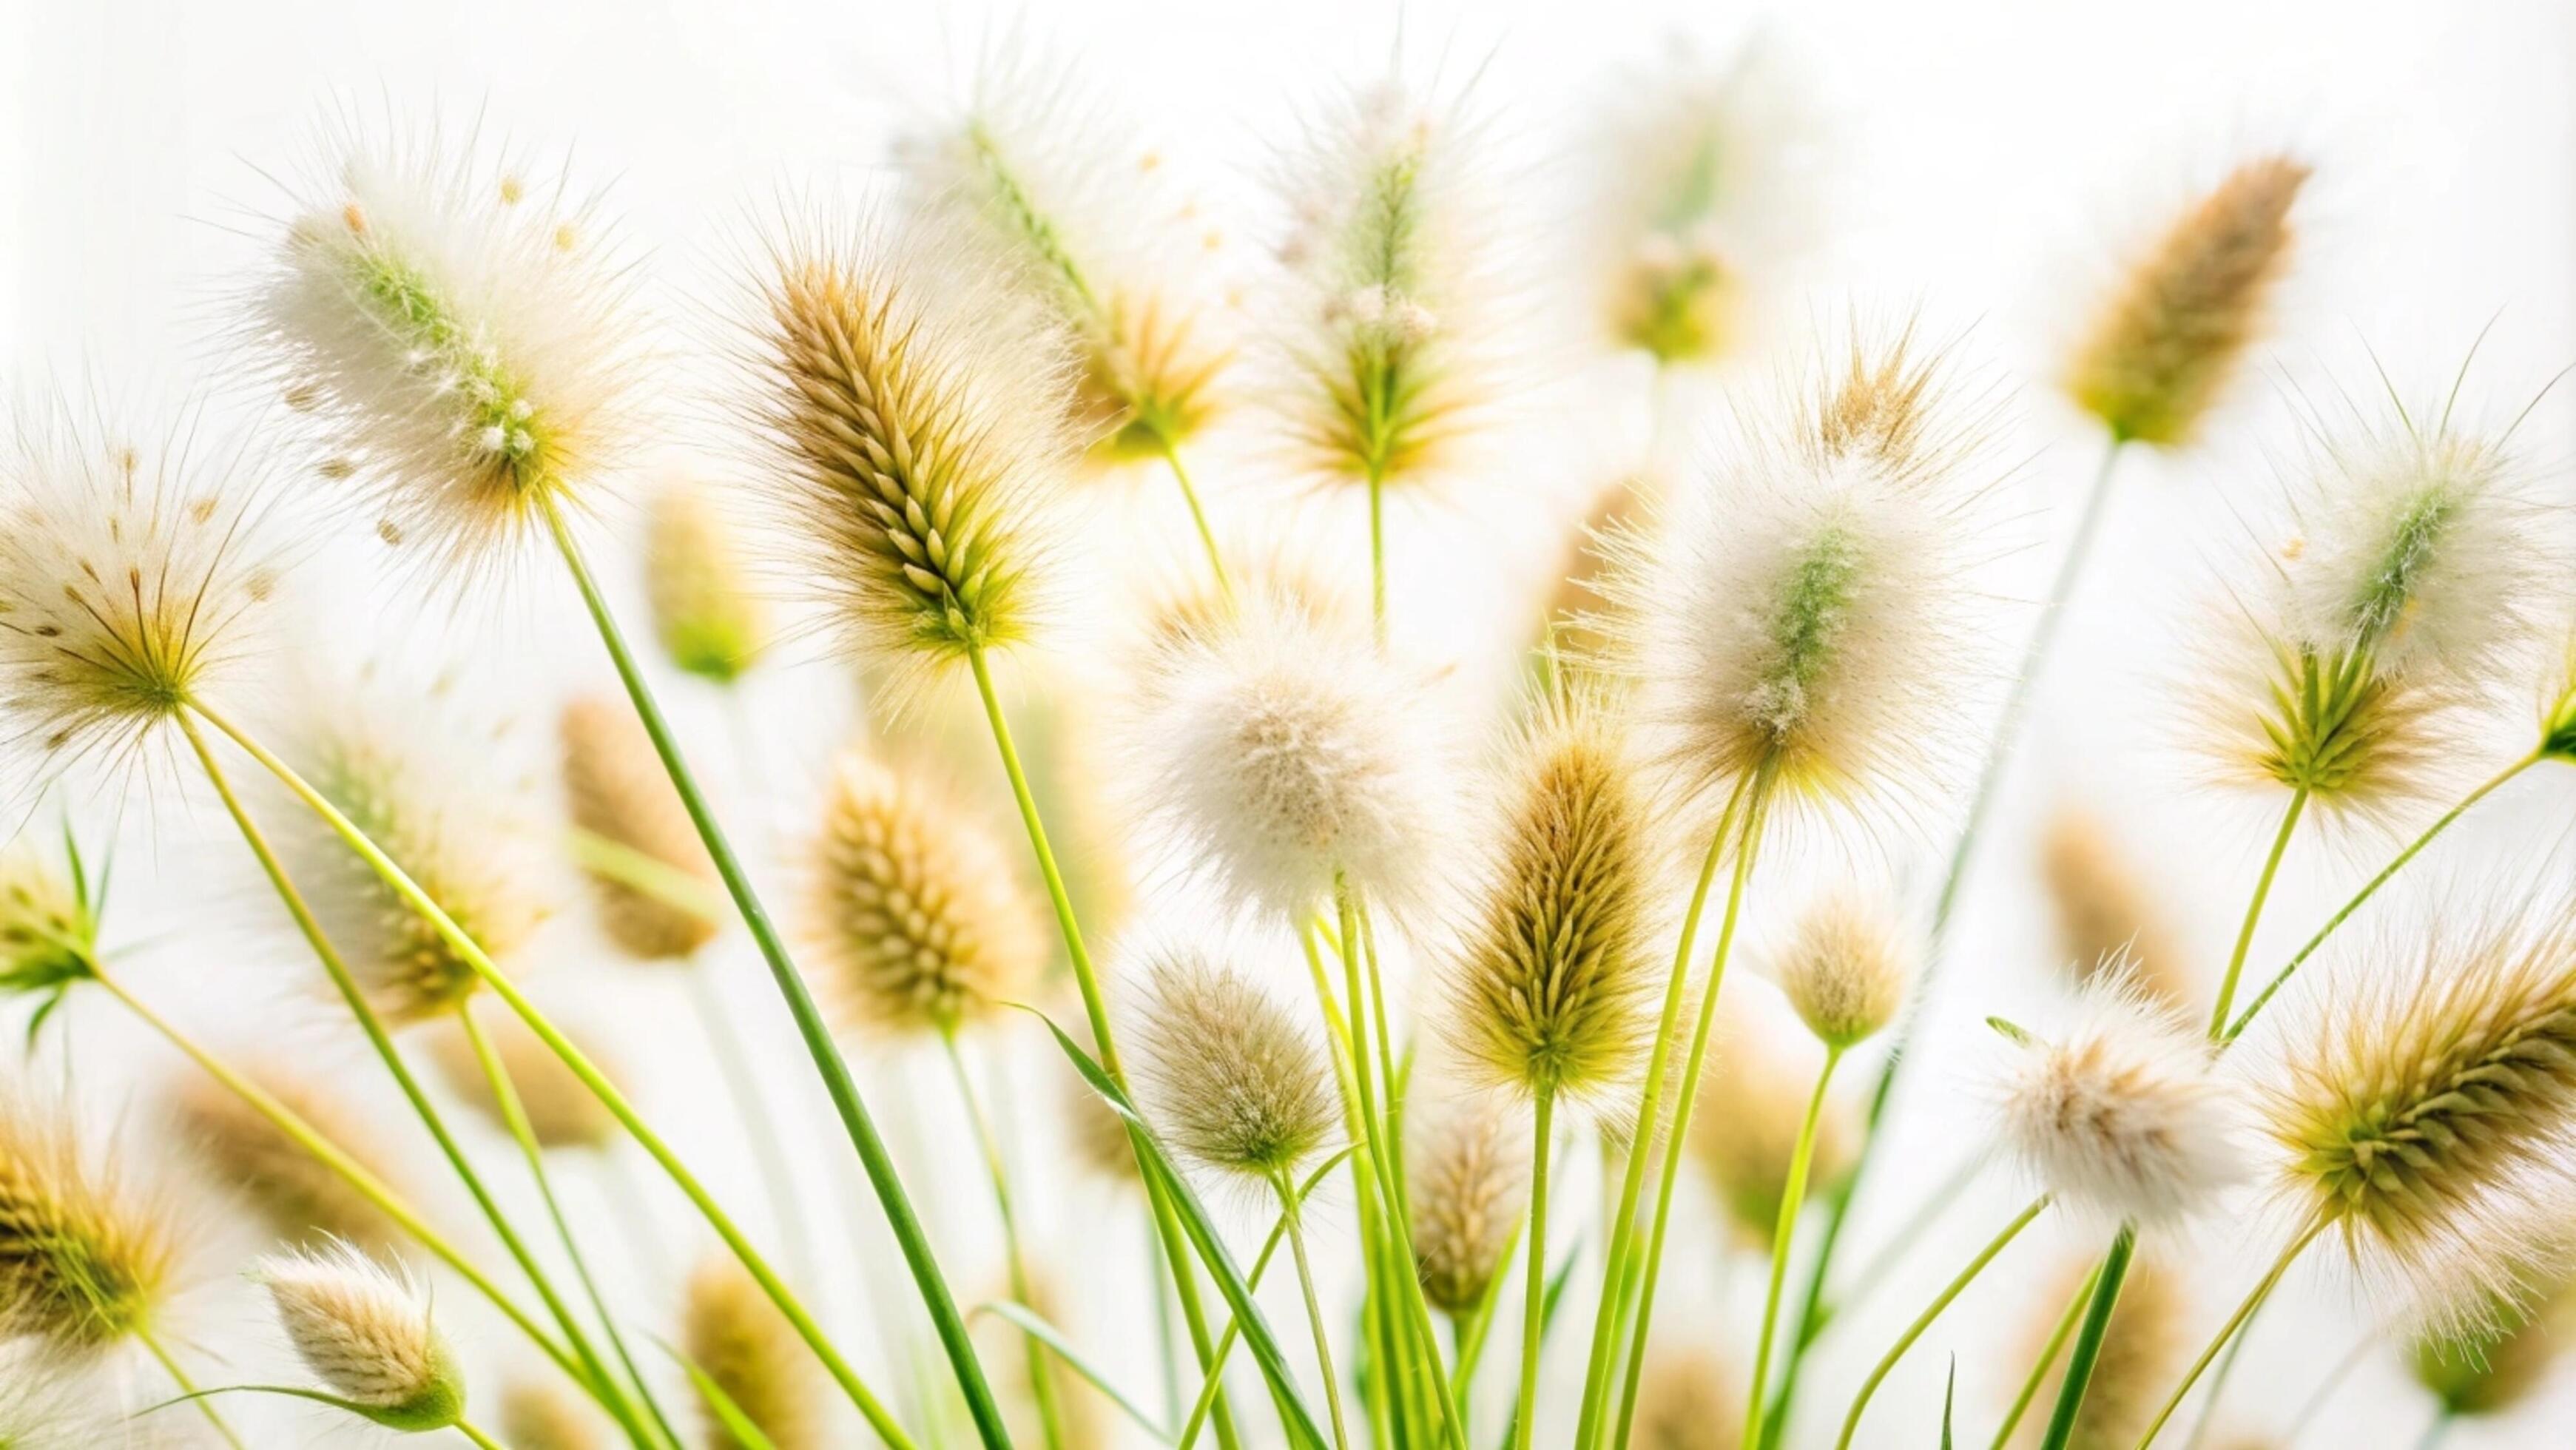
[1984, 165]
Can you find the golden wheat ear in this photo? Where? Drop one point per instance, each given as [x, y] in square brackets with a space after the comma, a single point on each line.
[85, 1262]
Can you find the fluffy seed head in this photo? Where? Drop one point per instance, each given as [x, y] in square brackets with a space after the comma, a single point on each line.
[561, 1112]
[1470, 1183]
[462, 337]
[298, 1199]
[48, 921]
[1684, 1403]
[1753, 1098]
[616, 789]
[1552, 988]
[538, 1416]
[2107, 919]
[1844, 969]
[84, 1263]
[1231, 1078]
[365, 1331]
[2169, 338]
[918, 920]
[733, 1333]
[711, 621]
[2144, 1347]
[2117, 1113]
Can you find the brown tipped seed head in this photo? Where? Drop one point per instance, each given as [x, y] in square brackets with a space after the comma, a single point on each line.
[299, 1200]
[734, 1335]
[366, 1333]
[2169, 338]
[1685, 1402]
[1844, 969]
[616, 789]
[711, 621]
[2107, 919]
[1552, 989]
[918, 920]
[1231, 1078]
[2145, 1345]
[561, 1112]
[84, 1262]
[540, 1416]
[48, 921]
[1752, 1101]
[1469, 1167]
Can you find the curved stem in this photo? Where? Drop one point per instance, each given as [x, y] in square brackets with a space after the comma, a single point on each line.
[472, 954]
[1314, 1308]
[1233, 1328]
[2253, 915]
[1793, 1197]
[828, 1063]
[1932, 1311]
[1534, 1298]
[1041, 1373]
[2088, 1340]
[187, 1388]
[1874, 1270]
[1171, 452]
[2253, 1301]
[2047, 1359]
[742, 1085]
[467, 1429]
[2218, 1382]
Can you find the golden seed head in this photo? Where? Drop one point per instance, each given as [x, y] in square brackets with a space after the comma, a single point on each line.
[1844, 969]
[711, 622]
[2362, 743]
[2107, 918]
[300, 1201]
[561, 1112]
[2144, 1347]
[2168, 340]
[616, 789]
[918, 919]
[1231, 1077]
[1753, 1099]
[1686, 1402]
[1469, 1165]
[735, 1336]
[365, 1331]
[536, 1415]
[84, 1263]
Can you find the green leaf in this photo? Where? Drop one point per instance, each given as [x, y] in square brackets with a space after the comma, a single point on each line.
[1048, 1335]
[1949, 1398]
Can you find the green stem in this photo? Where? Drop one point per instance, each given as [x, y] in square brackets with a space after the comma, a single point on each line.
[2218, 1384]
[1314, 1307]
[1171, 452]
[472, 954]
[2436, 1432]
[2244, 1311]
[2253, 915]
[187, 1389]
[466, 1428]
[1923, 1322]
[2038, 1375]
[1041, 1373]
[2088, 1340]
[760, 1126]
[1793, 1197]
[1233, 1328]
[1377, 554]
[1877, 1268]
[1534, 1299]
[1478, 1328]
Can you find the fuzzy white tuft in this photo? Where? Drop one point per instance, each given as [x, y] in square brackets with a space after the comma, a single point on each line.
[363, 1329]
[1844, 969]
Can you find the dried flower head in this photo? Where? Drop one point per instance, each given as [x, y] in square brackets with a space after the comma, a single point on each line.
[1803, 612]
[1231, 1078]
[746, 1348]
[711, 621]
[1469, 1170]
[561, 1112]
[2167, 341]
[299, 1200]
[1844, 969]
[84, 1262]
[917, 919]
[49, 921]
[463, 336]
[2107, 918]
[2118, 1113]
[1753, 1096]
[2143, 1348]
[365, 1331]
[616, 789]
[910, 446]
[1684, 1402]
[1553, 987]
[538, 1415]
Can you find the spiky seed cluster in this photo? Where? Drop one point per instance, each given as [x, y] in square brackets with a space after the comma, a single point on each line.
[1803, 610]
[2107, 920]
[1844, 969]
[2497, 1363]
[365, 1331]
[562, 1113]
[134, 578]
[1683, 1403]
[2143, 1348]
[1231, 1079]
[48, 923]
[83, 1262]
[2428, 1111]
[711, 621]
[463, 336]
[2118, 1113]
[296, 1197]
[1753, 1098]
[616, 789]
[1552, 989]
[538, 1416]
[2168, 340]
[734, 1335]
[1277, 749]
[1469, 1172]
[907, 463]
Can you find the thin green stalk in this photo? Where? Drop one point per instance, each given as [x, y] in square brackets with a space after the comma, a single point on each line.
[2218, 1383]
[1793, 1197]
[1392, 1135]
[1041, 1374]
[1534, 1298]
[1391, 1382]
[2244, 1311]
[2282, 978]
[1377, 555]
[1233, 1328]
[514, 1116]
[1374, 1316]
[1314, 1308]
[1877, 1268]
[485, 1442]
[2088, 1340]
[760, 1126]
[1478, 1328]
[1923, 1322]
[2253, 915]
[2048, 1351]
[472, 954]
[810, 1025]
[1166, 1347]
[187, 1388]
[1198, 515]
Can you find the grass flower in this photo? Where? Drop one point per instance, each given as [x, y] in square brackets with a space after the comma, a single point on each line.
[1470, 1186]
[561, 1112]
[85, 1262]
[1232, 1080]
[300, 1199]
[616, 790]
[712, 623]
[366, 1333]
[1844, 970]
[738, 1341]
[2107, 918]
[48, 926]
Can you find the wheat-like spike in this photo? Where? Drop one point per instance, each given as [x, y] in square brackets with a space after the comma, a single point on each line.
[84, 1263]
[365, 1331]
[733, 1334]
[295, 1195]
[1469, 1169]
[710, 619]
[1232, 1079]
[616, 789]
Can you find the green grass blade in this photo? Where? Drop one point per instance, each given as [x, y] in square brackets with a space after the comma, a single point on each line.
[1053, 1338]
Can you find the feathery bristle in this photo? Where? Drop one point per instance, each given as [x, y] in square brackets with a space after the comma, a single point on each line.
[2107, 919]
[2143, 1348]
[300, 1200]
[1231, 1078]
[711, 621]
[539, 1416]
[134, 578]
[616, 789]
[2495, 1365]
[2117, 1114]
[1753, 1096]
[1579, 613]
[1683, 1403]
[1553, 987]
[1804, 610]
[910, 450]
[1279, 749]
[1844, 969]
[2361, 742]
[48, 922]
[917, 919]
[365, 1331]
[1469, 1168]
[83, 1262]
[562, 1113]
[463, 338]
[2169, 339]
[43, 1404]
[746, 1348]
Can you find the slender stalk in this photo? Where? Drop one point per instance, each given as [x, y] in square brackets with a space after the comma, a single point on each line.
[581, 1067]
[1875, 1270]
[760, 1126]
[1041, 1373]
[2218, 1383]
[1958, 1285]
[810, 1025]
[1377, 555]
[1166, 1345]
[1233, 1328]
[1314, 1308]
[2282, 978]
[2436, 1432]
[1793, 1197]
[2253, 1301]
[514, 1116]
[1375, 1318]
[206, 1407]
[1198, 515]
[2057, 1338]
[467, 1429]
[1473, 1334]
[2253, 915]
[1534, 1297]
[2088, 1340]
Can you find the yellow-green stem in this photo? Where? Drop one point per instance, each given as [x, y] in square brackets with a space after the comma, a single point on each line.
[467, 1429]
[1922, 1322]
[1793, 1197]
[1314, 1307]
[1534, 1296]
[1171, 452]
[1015, 1258]
[2057, 1337]
[2254, 915]
[206, 1407]
[2253, 1301]
[2088, 1340]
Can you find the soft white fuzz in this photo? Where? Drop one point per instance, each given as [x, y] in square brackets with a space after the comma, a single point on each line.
[1844, 968]
[363, 1329]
